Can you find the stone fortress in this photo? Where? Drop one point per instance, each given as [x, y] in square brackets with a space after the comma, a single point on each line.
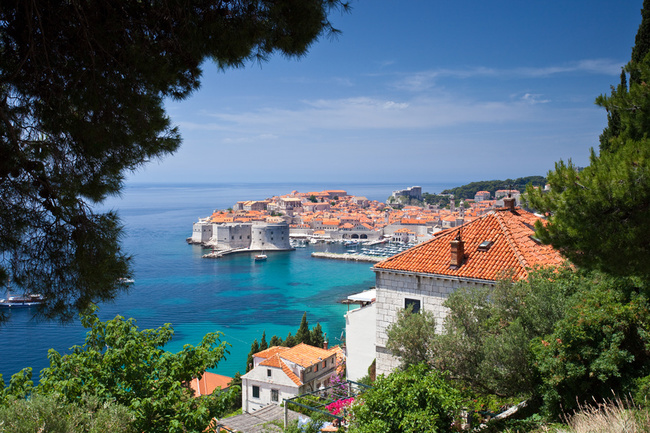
[254, 236]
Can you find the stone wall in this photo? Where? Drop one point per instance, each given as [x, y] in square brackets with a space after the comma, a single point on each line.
[231, 235]
[201, 232]
[267, 236]
[395, 289]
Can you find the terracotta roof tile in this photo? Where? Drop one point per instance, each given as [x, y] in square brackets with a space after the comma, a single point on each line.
[306, 355]
[295, 379]
[513, 249]
[208, 383]
[271, 351]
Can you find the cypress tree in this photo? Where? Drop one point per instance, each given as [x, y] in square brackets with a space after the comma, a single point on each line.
[275, 341]
[642, 40]
[264, 345]
[255, 347]
[303, 335]
[290, 341]
[317, 337]
[613, 128]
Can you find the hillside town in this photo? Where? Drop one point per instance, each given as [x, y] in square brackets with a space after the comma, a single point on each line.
[336, 216]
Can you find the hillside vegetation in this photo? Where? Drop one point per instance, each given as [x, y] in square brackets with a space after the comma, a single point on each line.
[470, 190]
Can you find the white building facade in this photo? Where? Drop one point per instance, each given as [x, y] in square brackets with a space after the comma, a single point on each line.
[280, 373]
[360, 334]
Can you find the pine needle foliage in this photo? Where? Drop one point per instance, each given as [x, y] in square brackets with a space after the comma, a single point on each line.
[82, 90]
[598, 216]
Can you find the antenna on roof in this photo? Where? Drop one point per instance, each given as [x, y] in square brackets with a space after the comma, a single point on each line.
[509, 186]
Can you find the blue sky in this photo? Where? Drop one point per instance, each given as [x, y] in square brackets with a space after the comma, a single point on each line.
[417, 91]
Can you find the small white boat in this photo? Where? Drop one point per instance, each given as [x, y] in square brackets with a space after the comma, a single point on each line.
[22, 301]
[126, 280]
[260, 257]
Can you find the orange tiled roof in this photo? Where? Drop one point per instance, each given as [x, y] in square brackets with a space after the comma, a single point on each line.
[513, 249]
[208, 383]
[302, 354]
[273, 361]
[306, 355]
[271, 351]
[295, 379]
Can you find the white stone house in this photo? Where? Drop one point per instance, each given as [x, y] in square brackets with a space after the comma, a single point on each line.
[477, 253]
[481, 196]
[281, 373]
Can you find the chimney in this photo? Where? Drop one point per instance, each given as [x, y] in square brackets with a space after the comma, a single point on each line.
[509, 203]
[457, 252]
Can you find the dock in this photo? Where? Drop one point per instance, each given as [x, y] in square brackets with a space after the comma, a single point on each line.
[348, 256]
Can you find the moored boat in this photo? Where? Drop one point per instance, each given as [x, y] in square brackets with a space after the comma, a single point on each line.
[260, 257]
[22, 301]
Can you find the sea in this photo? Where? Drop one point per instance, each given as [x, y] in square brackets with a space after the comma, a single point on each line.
[233, 295]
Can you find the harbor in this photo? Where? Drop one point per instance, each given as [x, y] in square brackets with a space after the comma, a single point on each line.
[372, 252]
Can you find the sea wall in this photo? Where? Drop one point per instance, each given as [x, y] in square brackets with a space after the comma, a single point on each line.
[201, 232]
[270, 236]
[231, 235]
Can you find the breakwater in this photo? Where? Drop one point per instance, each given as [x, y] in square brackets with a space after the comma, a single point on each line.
[348, 256]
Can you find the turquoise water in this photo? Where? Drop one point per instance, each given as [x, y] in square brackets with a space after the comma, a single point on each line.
[234, 295]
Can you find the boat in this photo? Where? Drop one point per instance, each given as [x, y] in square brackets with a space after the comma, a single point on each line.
[126, 280]
[22, 301]
[260, 257]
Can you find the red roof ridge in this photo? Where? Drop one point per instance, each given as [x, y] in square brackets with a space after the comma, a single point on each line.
[509, 237]
[271, 351]
[290, 374]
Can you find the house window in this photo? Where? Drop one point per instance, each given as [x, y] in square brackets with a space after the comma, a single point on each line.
[315, 368]
[324, 364]
[268, 372]
[275, 395]
[256, 391]
[415, 303]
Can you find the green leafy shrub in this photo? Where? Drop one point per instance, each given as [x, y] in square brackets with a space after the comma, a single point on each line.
[415, 400]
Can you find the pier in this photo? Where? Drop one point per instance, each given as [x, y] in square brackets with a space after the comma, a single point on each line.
[349, 256]
[216, 254]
